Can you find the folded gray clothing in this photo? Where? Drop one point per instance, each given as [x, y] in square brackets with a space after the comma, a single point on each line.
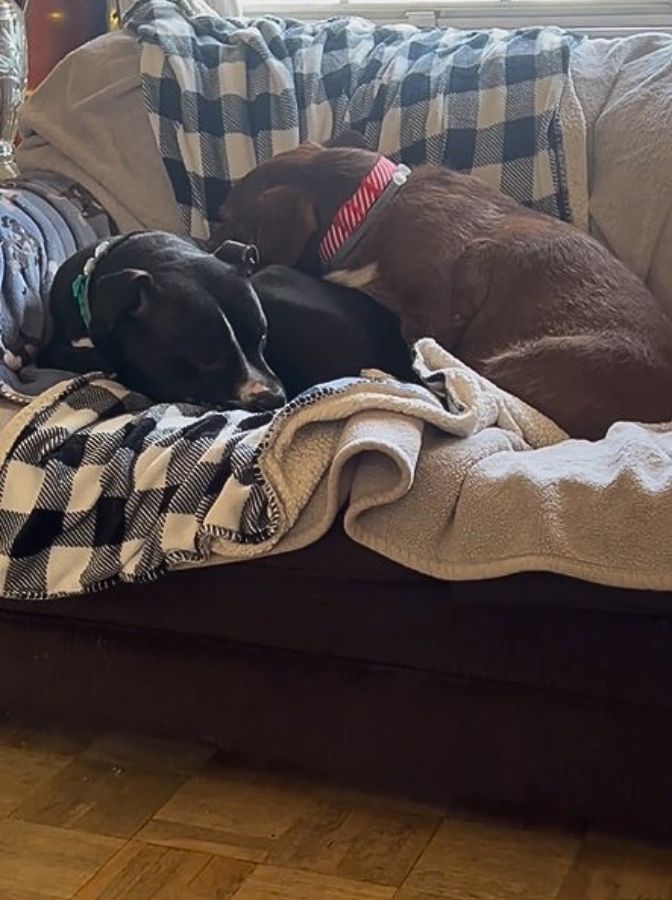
[44, 219]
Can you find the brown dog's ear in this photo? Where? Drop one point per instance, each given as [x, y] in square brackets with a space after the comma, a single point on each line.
[286, 222]
[348, 139]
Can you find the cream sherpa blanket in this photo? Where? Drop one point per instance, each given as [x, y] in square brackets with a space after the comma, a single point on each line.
[485, 492]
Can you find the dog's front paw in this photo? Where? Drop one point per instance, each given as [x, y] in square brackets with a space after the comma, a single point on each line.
[12, 361]
[79, 357]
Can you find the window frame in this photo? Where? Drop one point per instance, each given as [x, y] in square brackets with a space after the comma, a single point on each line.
[598, 17]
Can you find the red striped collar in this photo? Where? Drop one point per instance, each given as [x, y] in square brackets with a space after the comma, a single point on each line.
[350, 217]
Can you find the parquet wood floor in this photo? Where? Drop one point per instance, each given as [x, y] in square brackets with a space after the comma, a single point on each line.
[129, 818]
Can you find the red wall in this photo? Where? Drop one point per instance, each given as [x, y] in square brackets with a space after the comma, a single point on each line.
[55, 27]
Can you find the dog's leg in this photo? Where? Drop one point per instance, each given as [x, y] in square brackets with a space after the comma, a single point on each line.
[434, 298]
[572, 380]
[72, 359]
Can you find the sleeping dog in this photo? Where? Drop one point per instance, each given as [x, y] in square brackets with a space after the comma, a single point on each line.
[177, 323]
[530, 302]
[169, 319]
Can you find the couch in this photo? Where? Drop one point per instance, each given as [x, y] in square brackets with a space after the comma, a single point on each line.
[535, 694]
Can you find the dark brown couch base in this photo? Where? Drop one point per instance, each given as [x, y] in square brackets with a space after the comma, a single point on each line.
[532, 694]
[585, 761]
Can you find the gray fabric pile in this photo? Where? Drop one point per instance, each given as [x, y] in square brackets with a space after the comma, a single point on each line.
[44, 219]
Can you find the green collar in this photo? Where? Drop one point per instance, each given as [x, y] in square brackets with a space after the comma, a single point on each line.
[82, 283]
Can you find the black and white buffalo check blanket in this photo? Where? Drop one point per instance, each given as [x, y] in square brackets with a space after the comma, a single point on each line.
[224, 95]
[100, 486]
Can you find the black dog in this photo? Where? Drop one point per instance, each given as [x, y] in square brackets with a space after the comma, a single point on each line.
[178, 323]
[167, 318]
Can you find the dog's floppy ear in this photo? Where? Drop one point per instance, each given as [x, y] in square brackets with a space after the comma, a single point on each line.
[244, 257]
[286, 222]
[348, 139]
[119, 295]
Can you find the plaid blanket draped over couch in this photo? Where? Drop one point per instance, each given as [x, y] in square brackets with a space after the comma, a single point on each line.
[224, 95]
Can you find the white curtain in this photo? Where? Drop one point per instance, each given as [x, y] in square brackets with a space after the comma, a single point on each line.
[227, 7]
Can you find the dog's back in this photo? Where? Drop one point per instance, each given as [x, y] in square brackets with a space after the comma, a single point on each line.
[532, 303]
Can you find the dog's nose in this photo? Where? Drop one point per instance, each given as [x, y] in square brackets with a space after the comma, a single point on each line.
[258, 396]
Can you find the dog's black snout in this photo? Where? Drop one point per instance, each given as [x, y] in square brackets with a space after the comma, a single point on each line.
[260, 397]
[269, 400]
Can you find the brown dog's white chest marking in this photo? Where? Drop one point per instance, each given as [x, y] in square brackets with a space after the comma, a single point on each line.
[358, 279]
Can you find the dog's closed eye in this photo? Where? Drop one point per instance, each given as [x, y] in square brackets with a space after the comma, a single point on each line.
[197, 367]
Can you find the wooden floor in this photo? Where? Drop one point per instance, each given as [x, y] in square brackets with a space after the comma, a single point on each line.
[122, 818]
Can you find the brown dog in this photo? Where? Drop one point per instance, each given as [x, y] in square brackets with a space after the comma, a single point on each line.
[530, 302]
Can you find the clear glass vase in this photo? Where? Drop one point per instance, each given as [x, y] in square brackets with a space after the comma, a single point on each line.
[13, 79]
